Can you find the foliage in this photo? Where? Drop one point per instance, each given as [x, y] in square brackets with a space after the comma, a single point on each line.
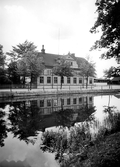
[24, 62]
[2, 57]
[108, 21]
[87, 69]
[30, 65]
[12, 73]
[4, 79]
[116, 72]
[62, 68]
[55, 142]
[3, 128]
[79, 148]
[19, 50]
[24, 118]
[108, 73]
[112, 72]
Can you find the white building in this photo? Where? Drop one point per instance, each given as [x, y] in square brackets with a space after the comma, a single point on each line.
[48, 80]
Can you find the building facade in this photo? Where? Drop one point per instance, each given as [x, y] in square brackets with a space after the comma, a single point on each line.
[47, 80]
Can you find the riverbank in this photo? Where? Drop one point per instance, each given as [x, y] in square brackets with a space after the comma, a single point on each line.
[105, 153]
[37, 92]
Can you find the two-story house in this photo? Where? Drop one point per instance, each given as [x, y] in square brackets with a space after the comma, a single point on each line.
[48, 80]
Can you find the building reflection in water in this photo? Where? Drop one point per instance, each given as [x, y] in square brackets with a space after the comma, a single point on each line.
[50, 105]
[26, 118]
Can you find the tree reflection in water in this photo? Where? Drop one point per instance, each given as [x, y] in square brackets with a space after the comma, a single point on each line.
[24, 117]
[3, 128]
[71, 147]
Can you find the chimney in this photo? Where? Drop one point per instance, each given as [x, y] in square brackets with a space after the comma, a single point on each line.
[43, 50]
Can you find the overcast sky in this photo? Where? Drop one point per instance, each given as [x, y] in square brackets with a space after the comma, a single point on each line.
[62, 26]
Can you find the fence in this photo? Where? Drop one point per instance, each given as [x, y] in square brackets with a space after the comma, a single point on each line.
[18, 86]
[70, 87]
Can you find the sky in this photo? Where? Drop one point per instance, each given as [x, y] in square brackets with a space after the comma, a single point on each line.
[62, 26]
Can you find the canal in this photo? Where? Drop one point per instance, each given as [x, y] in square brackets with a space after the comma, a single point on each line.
[26, 125]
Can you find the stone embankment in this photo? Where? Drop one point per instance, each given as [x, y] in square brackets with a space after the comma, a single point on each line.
[31, 93]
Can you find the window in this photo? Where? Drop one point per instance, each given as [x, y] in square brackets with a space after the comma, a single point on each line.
[41, 79]
[68, 101]
[71, 63]
[48, 72]
[55, 102]
[90, 99]
[55, 80]
[74, 100]
[74, 80]
[80, 80]
[48, 79]
[68, 80]
[49, 102]
[41, 103]
[80, 100]
[90, 81]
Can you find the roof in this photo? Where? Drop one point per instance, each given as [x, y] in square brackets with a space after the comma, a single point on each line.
[116, 79]
[80, 60]
[50, 59]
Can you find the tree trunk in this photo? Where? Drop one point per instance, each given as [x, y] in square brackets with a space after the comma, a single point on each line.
[86, 82]
[83, 82]
[62, 104]
[30, 81]
[61, 82]
[24, 81]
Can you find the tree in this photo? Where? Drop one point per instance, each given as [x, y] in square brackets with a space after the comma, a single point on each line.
[30, 65]
[62, 68]
[3, 128]
[116, 72]
[13, 72]
[25, 61]
[87, 69]
[2, 57]
[19, 50]
[4, 79]
[25, 119]
[3, 76]
[109, 73]
[108, 21]
[112, 72]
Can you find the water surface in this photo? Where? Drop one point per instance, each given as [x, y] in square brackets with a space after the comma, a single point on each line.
[23, 121]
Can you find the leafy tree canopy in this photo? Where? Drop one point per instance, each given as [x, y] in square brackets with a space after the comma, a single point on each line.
[12, 72]
[108, 73]
[112, 72]
[87, 69]
[30, 64]
[108, 21]
[2, 57]
[19, 50]
[62, 68]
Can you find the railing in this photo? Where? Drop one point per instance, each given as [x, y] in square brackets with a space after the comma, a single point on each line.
[70, 87]
[18, 86]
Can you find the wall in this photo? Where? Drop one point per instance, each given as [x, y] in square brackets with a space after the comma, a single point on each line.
[65, 85]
